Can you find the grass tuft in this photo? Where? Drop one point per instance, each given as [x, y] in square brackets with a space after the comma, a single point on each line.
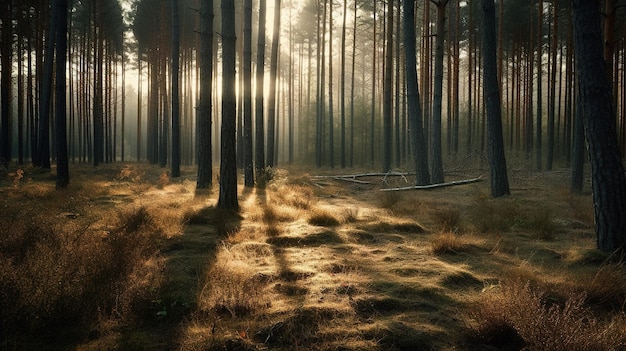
[322, 218]
[448, 243]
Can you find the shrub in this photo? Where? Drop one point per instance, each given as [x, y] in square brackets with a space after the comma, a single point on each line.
[521, 312]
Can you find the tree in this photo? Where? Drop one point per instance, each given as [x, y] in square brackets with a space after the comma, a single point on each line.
[63, 175]
[387, 91]
[497, 162]
[203, 119]
[418, 142]
[607, 171]
[437, 161]
[5, 82]
[271, 101]
[175, 66]
[259, 152]
[248, 164]
[228, 160]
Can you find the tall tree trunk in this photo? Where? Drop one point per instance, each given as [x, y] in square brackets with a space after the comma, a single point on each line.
[271, 101]
[552, 84]
[228, 160]
[499, 179]
[354, 31]
[63, 175]
[437, 161]
[45, 93]
[203, 118]
[388, 92]
[539, 62]
[331, 123]
[175, 90]
[248, 165]
[373, 103]
[413, 98]
[6, 59]
[259, 157]
[342, 86]
[607, 171]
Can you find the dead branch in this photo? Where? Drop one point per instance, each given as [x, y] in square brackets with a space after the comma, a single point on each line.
[361, 175]
[352, 180]
[434, 186]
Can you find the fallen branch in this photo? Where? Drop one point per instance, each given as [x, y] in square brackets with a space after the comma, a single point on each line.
[434, 186]
[353, 176]
[352, 180]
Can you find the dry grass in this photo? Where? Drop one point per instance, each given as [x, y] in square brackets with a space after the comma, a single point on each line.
[302, 266]
[449, 243]
[528, 315]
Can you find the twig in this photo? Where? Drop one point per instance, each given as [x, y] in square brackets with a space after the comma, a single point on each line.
[434, 186]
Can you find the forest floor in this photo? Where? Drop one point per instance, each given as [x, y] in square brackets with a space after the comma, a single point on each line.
[309, 263]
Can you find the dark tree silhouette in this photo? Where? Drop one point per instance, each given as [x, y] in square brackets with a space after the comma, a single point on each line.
[271, 100]
[418, 142]
[63, 175]
[607, 171]
[175, 90]
[203, 119]
[491, 91]
[248, 164]
[228, 160]
[6, 51]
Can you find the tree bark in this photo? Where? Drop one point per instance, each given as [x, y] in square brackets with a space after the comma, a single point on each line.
[418, 142]
[271, 101]
[437, 160]
[228, 160]
[175, 90]
[203, 119]
[259, 157]
[63, 175]
[248, 164]
[387, 91]
[607, 171]
[497, 162]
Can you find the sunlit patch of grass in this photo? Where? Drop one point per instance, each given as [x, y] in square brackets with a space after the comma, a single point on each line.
[322, 218]
[297, 196]
[394, 225]
[229, 288]
[313, 239]
[351, 215]
[449, 243]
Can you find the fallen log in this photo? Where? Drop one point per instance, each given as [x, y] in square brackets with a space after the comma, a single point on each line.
[351, 180]
[434, 186]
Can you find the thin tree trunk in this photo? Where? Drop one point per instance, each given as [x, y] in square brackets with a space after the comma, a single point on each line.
[248, 164]
[437, 160]
[271, 101]
[259, 158]
[63, 175]
[388, 91]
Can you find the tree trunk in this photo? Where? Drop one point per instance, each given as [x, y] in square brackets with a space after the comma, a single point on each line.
[413, 98]
[63, 175]
[437, 161]
[6, 58]
[271, 101]
[175, 90]
[248, 165]
[497, 162]
[607, 171]
[228, 160]
[388, 91]
[539, 62]
[259, 157]
[203, 118]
